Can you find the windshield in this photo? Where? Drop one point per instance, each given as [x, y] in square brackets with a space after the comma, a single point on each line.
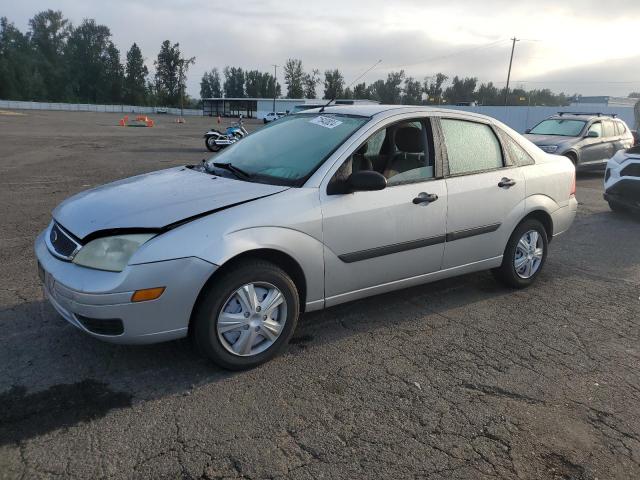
[564, 128]
[286, 152]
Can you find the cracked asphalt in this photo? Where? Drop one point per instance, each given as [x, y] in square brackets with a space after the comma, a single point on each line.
[458, 379]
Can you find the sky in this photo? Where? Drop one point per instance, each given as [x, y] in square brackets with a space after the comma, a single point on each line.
[588, 47]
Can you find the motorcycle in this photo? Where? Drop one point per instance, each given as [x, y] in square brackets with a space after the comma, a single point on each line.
[215, 139]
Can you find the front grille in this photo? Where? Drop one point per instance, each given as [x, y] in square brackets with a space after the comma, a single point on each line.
[102, 326]
[61, 242]
[632, 170]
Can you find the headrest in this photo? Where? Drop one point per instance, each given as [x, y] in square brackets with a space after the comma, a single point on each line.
[363, 149]
[409, 139]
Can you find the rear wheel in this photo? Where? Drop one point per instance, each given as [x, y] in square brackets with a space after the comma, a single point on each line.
[210, 142]
[247, 315]
[524, 255]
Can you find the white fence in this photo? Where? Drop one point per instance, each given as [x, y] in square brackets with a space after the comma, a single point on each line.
[518, 118]
[521, 118]
[87, 107]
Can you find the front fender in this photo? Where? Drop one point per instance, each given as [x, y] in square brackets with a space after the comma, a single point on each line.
[304, 249]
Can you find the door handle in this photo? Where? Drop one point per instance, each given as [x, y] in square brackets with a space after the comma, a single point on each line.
[424, 197]
[506, 182]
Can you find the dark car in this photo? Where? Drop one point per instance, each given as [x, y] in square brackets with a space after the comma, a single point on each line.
[588, 139]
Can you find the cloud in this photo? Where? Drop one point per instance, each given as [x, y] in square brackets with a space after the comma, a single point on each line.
[464, 37]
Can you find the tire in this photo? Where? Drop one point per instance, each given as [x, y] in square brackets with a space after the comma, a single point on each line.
[616, 207]
[221, 297]
[211, 145]
[522, 278]
[264, 120]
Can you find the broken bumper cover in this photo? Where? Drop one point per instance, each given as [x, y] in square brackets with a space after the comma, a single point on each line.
[99, 302]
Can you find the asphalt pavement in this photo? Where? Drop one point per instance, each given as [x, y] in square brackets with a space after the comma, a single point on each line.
[459, 379]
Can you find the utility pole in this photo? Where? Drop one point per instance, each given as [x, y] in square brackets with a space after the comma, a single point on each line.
[506, 90]
[275, 85]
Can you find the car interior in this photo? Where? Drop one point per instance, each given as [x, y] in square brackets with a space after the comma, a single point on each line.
[402, 152]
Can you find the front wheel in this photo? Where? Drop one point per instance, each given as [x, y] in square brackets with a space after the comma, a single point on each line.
[524, 255]
[616, 207]
[247, 315]
[210, 142]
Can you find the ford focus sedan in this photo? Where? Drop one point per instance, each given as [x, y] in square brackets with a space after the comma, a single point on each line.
[316, 209]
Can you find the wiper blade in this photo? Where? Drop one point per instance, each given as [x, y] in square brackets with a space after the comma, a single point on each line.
[238, 172]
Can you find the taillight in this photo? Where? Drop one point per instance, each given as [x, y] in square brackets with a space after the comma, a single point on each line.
[573, 184]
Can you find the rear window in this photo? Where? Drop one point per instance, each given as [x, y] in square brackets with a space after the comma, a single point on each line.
[621, 128]
[471, 147]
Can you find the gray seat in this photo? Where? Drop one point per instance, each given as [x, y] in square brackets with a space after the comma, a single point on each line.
[410, 155]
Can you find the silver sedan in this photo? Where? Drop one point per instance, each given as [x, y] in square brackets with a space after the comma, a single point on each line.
[316, 209]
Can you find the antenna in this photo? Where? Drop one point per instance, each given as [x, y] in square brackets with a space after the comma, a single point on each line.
[358, 78]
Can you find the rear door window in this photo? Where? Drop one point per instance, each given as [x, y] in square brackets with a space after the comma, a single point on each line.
[609, 130]
[471, 147]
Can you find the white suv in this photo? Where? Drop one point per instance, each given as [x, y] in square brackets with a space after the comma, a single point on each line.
[622, 181]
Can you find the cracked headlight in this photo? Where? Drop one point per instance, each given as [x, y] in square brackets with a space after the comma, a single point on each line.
[110, 253]
[548, 148]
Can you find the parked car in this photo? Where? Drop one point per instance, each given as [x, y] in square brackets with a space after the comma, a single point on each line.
[272, 116]
[316, 209]
[622, 181]
[587, 139]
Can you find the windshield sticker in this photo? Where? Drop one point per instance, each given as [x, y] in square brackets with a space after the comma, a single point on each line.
[326, 122]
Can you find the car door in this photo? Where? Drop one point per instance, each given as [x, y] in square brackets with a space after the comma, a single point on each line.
[594, 149]
[376, 238]
[485, 194]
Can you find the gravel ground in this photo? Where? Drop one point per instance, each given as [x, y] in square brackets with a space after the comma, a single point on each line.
[457, 379]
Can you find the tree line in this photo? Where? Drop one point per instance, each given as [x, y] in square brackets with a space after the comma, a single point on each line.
[58, 62]
[396, 88]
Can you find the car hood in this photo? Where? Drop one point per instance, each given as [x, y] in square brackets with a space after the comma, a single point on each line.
[549, 139]
[154, 200]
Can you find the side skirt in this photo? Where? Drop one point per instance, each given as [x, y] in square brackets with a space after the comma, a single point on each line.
[412, 281]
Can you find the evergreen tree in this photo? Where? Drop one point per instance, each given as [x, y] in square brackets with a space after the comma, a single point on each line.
[333, 84]
[135, 89]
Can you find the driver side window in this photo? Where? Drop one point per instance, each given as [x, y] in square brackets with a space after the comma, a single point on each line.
[402, 152]
[596, 127]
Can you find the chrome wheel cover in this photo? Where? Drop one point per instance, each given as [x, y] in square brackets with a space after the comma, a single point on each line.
[529, 254]
[251, 319]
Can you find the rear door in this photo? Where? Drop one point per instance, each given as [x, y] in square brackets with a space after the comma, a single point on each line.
[485, 193]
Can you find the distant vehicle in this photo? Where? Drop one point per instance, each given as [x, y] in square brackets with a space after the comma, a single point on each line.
[162, 110]
[314, 210]
[272, 116]
[587, 139]
[622, 181]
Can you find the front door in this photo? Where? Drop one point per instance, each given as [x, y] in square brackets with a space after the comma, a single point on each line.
[380, 237]
[594, 149]
[485, 195]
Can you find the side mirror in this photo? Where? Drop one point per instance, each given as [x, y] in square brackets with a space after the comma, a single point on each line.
[592, 134]
[366, 181]
[528, 130]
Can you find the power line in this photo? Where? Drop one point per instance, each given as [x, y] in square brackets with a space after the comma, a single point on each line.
[452, 54]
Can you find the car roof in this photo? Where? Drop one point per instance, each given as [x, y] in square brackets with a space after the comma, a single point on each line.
[381, 110]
